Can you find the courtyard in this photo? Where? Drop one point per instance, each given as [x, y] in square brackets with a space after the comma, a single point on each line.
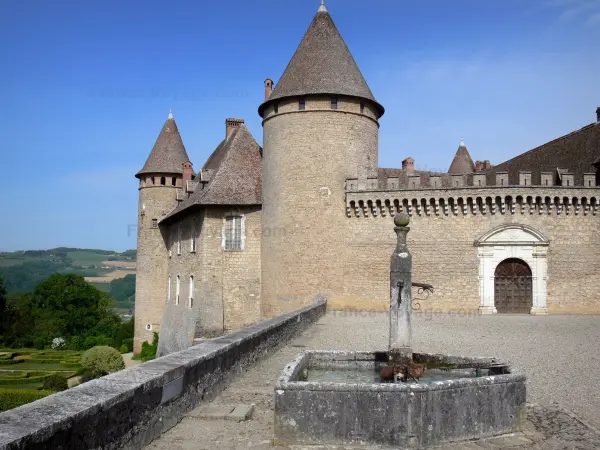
[559, 354]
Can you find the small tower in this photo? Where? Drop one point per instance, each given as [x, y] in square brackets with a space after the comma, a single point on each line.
[462, 164]
[160, 179]
[320, 127]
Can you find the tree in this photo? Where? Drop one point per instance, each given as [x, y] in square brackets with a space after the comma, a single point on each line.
[65, 305]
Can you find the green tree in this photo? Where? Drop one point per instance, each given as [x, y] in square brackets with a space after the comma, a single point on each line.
[66, 305]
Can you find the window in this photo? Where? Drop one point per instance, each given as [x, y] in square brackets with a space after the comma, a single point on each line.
[149, 326]
[334, 104]
[276, 108]
[179, 240]
[173, 181]
[302, 104]
[362, 108]
[154, 223]
[153, 180]
[193, 238]
[177, 290]
[233, 233]
[169, 290]
[191, 295]
[163, 181]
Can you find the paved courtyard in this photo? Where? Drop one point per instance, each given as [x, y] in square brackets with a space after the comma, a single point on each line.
[559, 354]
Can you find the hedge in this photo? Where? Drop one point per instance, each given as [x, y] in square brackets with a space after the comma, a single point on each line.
[7, 362]
[24, 380]
[14, 373]
[12, 398]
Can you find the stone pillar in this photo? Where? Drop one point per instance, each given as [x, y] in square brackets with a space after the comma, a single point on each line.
[400, 291]
[486, 281]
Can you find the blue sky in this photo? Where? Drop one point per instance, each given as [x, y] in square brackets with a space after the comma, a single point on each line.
[86, 86]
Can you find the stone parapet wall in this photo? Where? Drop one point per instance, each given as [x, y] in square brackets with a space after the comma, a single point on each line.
[510, 200]
[129, 409]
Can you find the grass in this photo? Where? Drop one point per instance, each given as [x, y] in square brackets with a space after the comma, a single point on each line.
[85, 258]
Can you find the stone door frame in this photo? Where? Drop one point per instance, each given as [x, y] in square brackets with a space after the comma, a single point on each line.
[513, 241]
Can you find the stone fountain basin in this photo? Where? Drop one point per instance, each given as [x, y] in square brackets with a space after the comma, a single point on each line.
[399, 414]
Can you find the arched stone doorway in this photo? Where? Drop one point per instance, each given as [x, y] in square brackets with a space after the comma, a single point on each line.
[513, 292]
[512, 241]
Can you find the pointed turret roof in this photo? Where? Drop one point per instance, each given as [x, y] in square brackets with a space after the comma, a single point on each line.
[462, 162]
[168, 153]
[322, 64]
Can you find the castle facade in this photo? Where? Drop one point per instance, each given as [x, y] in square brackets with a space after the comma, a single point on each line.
[261, 231]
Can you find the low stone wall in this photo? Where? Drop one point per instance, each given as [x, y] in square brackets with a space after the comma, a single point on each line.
[129, 409]
[403, 415]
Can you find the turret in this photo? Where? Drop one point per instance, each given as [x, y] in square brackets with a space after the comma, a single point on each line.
[160, 180]
[320, 126]
[462, 163]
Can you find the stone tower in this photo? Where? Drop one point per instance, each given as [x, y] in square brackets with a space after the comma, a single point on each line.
[160, 179]
[320, 126]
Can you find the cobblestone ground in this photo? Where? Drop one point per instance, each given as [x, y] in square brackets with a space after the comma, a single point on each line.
[559, 354]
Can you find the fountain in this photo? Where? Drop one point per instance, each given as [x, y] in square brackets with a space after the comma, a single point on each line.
[396, 397]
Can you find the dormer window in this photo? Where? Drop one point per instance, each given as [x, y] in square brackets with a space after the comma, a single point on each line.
[302, 104]
[334, 103]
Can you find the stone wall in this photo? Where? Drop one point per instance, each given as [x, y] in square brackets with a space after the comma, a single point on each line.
[227, 283]
[129, 409]
[444, 255]
[151, 273]
[307, 156]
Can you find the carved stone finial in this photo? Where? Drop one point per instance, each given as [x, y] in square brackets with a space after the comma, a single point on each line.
[322, 7]
[170, 114]
[401, 219]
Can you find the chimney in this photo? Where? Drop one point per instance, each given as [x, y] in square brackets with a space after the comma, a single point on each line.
[598, 115]
[268, 88]
[231, 124]
[187, 172]
[409, 165]
[487, 165]
[478, 166]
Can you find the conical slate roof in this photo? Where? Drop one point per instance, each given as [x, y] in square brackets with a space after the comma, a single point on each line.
[322, 64]
[168, 153]
[462, 162]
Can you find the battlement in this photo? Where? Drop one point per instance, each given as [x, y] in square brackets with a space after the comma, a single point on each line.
[489, 200]
[411, 181]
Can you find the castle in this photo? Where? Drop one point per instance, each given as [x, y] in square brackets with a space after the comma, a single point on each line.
[260, 231]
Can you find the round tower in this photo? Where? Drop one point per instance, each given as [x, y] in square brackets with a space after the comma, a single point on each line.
[160, 179]
[320, 126]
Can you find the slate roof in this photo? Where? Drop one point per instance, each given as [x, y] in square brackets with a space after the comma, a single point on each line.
[168, 153]
[575, 152]
[322, 64]
[462, 162]
[237, 176]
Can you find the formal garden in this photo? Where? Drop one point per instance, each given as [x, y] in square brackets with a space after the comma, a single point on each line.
[59, 335]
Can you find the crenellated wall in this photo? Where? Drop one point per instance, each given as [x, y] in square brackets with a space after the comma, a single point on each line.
[445, 223]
